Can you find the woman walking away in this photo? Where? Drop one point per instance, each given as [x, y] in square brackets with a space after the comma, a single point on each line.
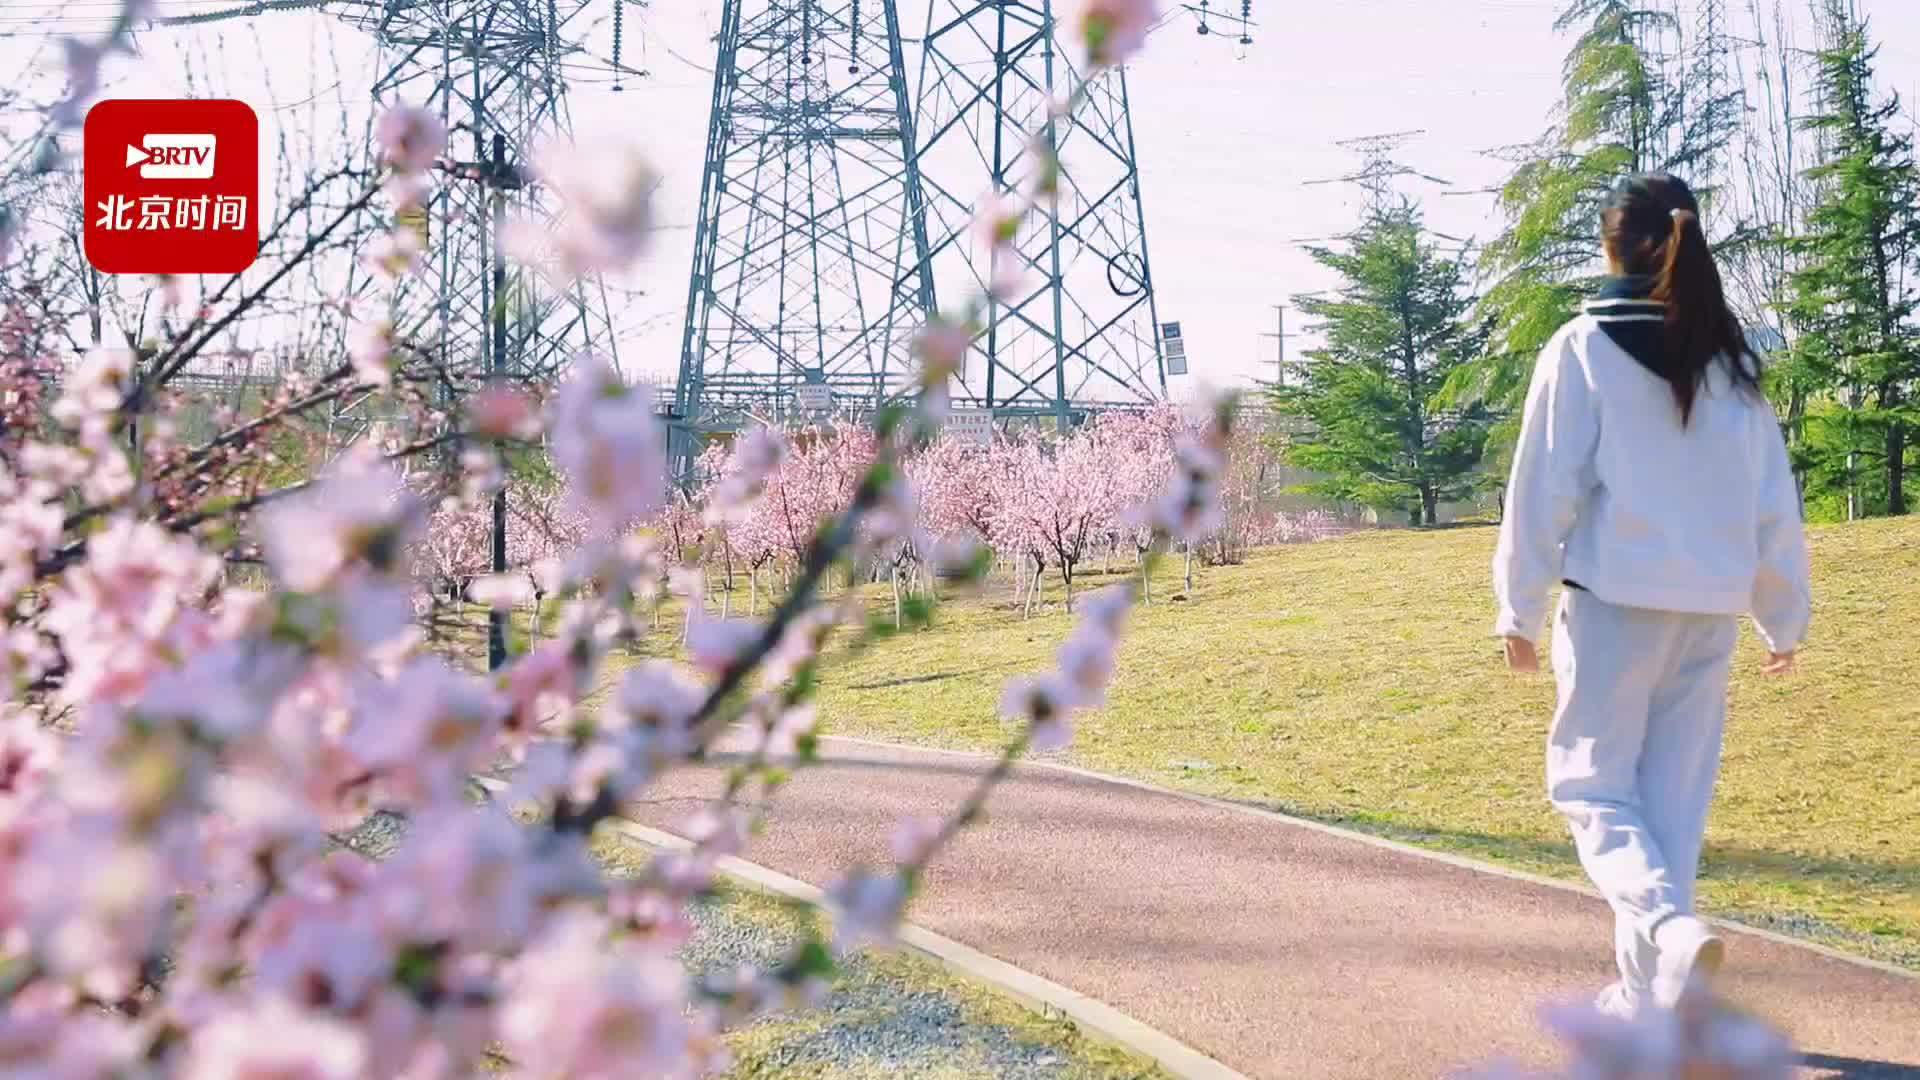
[1651, 479]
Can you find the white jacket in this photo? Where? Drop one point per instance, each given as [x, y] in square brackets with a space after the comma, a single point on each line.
[1608, 490]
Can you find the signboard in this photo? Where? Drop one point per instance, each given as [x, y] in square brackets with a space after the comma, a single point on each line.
[971, 426]
[1175, 348]
[813, 397]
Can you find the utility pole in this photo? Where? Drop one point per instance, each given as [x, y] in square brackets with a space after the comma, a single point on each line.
[499, 177]
[1279, 337]
[496, 367]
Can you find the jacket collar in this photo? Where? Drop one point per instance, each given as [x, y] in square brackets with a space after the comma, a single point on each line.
[1625, 299]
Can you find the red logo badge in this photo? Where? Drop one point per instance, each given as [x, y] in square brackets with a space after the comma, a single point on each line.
[171, 187]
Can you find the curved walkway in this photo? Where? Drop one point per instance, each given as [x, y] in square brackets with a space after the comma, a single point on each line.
[1282, 949]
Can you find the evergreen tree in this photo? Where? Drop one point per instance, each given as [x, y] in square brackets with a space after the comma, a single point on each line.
[1394, 334]
[1853, 300]
[1625, 109]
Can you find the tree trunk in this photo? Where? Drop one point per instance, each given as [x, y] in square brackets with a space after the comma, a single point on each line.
[1189, 570]
[753, 591]
[1430, 504]
[896, 598]
[1146, 582]
[1066, 579]
[1897, 468]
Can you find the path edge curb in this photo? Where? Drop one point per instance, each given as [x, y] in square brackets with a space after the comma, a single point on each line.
[1098, 1020]
[1463, 862]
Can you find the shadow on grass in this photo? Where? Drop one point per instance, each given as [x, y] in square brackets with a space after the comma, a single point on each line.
[919, 680]
[1847, 1068]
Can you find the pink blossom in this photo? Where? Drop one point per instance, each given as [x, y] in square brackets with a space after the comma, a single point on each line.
[1086, 665]
[407, 191]
[1009, 280]
[83, 81]
[410, 138]
[609, 442]
[95, 388]
[606, 218]
[718, 829]
[866, 909]
[502, 412]
[744, 474]
[545, 678]
[325, 963]
[996, 220]
[223, 691]
[657, 695]
[271, 1040]
[424, 728]
[1045, 703]
[718, 644]
[1107, 609]
[475, 877]
[120, 614]
[788, 728]
[657, 919]
[1111, 31]
[356, 512]
[501, 591]
[1700, 1036]
[941, 346]
[370, 349]
[27, 756]
[580, 1005]
[392, 255]
[913, 839]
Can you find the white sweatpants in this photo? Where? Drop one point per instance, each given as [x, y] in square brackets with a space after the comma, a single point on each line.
[1633, 754]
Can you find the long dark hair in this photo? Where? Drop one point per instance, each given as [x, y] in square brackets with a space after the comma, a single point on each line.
[1651, 228]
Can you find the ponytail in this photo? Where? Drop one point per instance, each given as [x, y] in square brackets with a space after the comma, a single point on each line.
[1653, 227]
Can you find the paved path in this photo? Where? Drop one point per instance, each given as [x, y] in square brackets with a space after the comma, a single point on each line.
[1282, 950]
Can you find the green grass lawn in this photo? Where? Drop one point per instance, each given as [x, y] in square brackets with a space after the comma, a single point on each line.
[1355, 681]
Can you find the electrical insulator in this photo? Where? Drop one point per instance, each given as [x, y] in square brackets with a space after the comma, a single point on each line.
[618, 7]
[853, 48]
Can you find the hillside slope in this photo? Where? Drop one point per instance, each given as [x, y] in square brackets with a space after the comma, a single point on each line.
[1354, 681]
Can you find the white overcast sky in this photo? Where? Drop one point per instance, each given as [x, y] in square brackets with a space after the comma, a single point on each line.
[1228, 144]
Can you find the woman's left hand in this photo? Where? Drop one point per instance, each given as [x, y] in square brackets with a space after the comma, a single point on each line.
[1522, 656]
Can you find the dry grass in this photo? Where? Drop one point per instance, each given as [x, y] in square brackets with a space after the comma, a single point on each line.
[1354, 681]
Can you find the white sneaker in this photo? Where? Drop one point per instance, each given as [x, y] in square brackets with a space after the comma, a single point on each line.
[1690, 953]
[1617, 1002]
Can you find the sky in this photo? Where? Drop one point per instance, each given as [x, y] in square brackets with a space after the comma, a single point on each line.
[1231, 142]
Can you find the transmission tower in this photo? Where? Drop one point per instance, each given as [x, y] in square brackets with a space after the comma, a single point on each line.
[809, 269]
[1081, 332]
[1378, 170]
[492, 69]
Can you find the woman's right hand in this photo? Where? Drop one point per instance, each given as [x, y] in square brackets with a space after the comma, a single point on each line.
[1780, 663]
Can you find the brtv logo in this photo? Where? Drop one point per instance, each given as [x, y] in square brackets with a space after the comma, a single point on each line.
[171, 187]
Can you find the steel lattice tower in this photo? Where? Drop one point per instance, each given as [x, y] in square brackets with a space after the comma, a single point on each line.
[808, 263]
[1082, 332]
[1712, 75]
[492, 69]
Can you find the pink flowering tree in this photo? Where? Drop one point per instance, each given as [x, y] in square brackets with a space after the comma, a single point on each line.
[1017, 525]
[183, 885]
